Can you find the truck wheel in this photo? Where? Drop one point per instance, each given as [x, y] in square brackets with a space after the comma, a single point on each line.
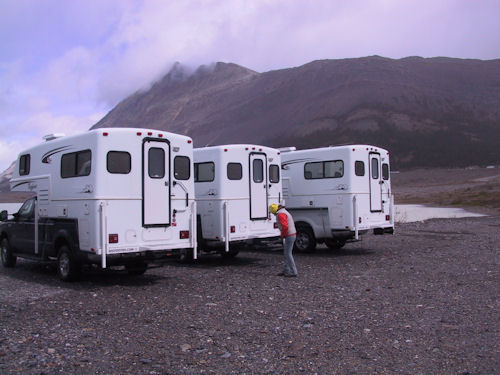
[334, 243]
[8, 260]
[229, 254]
[305, 241]
[136, 269]
[68, 268]
[185, 256]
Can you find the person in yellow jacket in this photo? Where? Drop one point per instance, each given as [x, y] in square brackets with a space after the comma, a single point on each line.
[288, 234]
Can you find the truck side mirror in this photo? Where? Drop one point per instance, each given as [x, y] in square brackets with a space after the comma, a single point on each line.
[4, 215]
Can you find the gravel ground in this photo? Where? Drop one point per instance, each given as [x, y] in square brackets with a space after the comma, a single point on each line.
[424, 301]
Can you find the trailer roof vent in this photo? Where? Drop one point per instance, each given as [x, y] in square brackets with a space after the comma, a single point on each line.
[287, 149]
[51, 137]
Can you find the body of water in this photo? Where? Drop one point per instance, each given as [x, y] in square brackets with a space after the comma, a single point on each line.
[10, 207]
[406, 213]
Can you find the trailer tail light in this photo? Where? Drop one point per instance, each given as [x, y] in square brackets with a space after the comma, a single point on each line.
[275, 225]
[233, 229]
[113, 238]
[183, 234]
[387, 217]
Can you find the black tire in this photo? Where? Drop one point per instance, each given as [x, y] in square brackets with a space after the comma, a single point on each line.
[185, 256]
[334, 243]
[68, 268]
[136, 269]
[305, 241]
[229, 254]
[8, 260]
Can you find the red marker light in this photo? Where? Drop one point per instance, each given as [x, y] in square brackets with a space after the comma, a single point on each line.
[113, 238]
[160, 135]
[105, 134]
[139, 133]
[189, 141]
[183, 234]
[150, 133]
[233, 229]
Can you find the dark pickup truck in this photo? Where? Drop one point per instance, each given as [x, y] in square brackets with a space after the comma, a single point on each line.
[56, 240]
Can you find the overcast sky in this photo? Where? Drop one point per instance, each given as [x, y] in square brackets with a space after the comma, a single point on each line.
[65, 63]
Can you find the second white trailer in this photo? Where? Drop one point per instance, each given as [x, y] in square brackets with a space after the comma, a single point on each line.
[234, 185]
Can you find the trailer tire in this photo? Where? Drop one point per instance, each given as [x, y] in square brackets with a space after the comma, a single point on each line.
[68, 268]
[8, 260]
[229, 254]
[334, 243]
[185, 256]
[136, 269]
[305, 242]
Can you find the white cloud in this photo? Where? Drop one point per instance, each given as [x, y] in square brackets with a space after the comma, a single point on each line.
[63, 62]
[16, 137]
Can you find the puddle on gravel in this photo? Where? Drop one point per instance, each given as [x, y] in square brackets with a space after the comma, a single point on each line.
[406, 213]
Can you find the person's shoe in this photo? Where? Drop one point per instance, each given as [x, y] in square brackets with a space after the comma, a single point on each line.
[280, 274]
[290, 275]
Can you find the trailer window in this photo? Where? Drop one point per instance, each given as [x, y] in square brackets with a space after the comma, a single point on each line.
[385, 171]
[76, 164]
[204, 172]
[324, 169]
[234, 171]
[359, 168]
[258, 170]
[182, 168]
[118, 162]
[24, 165]
[274, 173]
[156, 162]
[375, 172]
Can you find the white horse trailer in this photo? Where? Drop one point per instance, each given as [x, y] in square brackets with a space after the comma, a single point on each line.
[335, 194]
[116, 196]
[234, 186]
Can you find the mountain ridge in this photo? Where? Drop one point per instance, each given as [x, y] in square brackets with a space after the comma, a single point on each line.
[326, 102]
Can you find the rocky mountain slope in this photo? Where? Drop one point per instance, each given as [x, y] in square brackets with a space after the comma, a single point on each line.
[427, 112]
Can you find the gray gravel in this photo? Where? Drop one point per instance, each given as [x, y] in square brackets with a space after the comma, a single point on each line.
[424, 301]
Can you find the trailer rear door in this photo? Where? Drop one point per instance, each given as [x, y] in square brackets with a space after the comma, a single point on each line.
[258, 186]
[156, 183]
[375, 182]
